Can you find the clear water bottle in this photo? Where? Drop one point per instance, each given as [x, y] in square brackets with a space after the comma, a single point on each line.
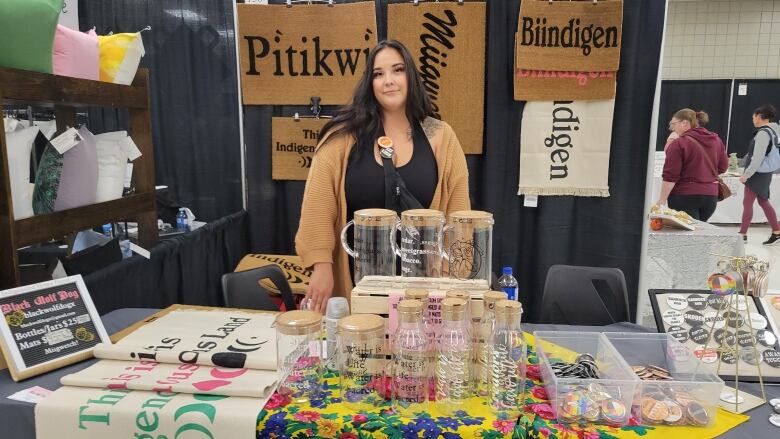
[181, 221]
[508, 283]
[411, 361]
[453, 359]
[108, 230]
[508, 362]
[481, 335]
[337, 308]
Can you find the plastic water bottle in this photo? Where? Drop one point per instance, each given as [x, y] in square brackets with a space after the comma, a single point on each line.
[108, 230]
[337, 308]
[508, 284]
[181, 220]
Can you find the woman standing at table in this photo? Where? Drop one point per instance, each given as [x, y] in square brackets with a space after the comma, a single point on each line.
[762, 159]
[693, 162]
[347, 174]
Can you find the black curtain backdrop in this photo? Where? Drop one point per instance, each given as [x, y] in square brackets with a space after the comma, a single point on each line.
[759, 92]
[190, 53]
[712, 96]
[562, 230]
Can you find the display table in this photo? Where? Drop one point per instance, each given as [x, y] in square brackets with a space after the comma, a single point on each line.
[729, 211]
[682, 259]
[18, 422]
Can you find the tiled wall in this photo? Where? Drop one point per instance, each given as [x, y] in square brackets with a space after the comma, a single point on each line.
[713, 39]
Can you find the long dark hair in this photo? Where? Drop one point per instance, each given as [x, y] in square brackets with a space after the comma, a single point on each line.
[362, 118]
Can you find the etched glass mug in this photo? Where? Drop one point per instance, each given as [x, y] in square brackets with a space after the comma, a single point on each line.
[374, 242]
[422, 243]
[469, 245]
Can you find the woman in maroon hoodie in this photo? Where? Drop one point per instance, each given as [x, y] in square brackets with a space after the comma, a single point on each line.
[693, 163]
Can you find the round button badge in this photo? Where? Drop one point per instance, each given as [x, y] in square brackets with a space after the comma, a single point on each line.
[745, 339]
[676, 301]
[712, 319]
[708, 356]
[693, 318]
[722, 284]
[733, 319]
[716, 302]
[766, 337]
[758, 321]
[772, 358]
[679, 333]
[699, 335]
[698, 302]
[672, 317]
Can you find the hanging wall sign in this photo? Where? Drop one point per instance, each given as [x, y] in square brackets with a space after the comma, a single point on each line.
[48, 325]
[564, 148]
[580, 36]
[447, 42]
[289, 54]
[292, 146]
[545, 85]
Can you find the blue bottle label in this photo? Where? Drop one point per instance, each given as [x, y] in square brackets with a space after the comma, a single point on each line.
[511, 292]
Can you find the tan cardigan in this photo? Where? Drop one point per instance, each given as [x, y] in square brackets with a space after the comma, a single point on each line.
[324, 209]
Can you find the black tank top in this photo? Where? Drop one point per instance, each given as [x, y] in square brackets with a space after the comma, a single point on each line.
[365, 179]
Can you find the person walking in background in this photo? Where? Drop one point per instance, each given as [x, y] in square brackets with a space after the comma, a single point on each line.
[762, 159]
[693, 162]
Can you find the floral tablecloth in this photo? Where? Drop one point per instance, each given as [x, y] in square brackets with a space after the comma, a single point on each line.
[328, 418]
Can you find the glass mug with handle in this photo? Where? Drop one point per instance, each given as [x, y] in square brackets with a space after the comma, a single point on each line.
[374, 242]
[469, 245]
[422, 242]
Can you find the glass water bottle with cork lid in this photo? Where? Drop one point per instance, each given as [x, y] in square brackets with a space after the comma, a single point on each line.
[361, 354]
[411, 367]
[299, 354]
[453, 358]
[508, 362]
[481, 334]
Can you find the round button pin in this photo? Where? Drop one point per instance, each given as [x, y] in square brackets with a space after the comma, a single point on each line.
[676, 301]
[749, 357]
[745, 339]
[712, 319]
[733, 319]
[775, 419]
[725, 338]
[716, 302]
[772, 358]
[693, 318]
[728, 357]
[758, 321]
[672, 317]
[741, 303]
[766, 337]
[708, 356]
[698, 302]
[679, 333]
[731, 397]
[699, 335]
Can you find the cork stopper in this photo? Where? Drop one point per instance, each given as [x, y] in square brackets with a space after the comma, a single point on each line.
[416, 293]
[458, 294]
[410, 310]
[361, 324]
[422, 218]
[375, 218]
[492, 297]
[453, 309]
[508, 311]
[478, 218]
[299, 322]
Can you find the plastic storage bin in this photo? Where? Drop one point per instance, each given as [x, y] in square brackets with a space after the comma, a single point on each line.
[606, 400]
[690, 398]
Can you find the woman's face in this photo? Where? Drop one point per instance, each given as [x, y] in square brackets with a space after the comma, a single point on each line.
[757, 120]
[679, 126]
[390, 84]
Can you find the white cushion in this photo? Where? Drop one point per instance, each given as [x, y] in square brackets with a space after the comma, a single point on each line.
[112, 165]
[20, 145]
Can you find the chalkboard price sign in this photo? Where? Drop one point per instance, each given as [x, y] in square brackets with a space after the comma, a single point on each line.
[48, 325]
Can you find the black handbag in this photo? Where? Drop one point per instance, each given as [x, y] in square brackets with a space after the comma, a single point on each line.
[397, 195]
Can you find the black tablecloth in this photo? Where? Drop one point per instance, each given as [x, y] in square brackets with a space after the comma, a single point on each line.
[17, 418]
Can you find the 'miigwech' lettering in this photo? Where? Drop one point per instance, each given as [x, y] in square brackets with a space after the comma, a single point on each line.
[295, 61]
[586, 37]
[435, 43]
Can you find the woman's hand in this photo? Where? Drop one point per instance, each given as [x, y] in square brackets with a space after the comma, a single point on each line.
[320, 287]
[742, 179]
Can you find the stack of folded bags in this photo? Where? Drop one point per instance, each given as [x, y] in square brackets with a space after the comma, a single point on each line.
[34, 41]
